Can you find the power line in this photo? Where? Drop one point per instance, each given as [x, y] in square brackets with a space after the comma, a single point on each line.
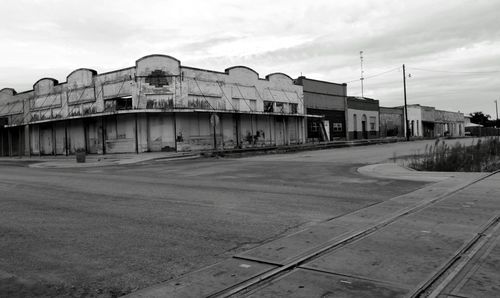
[375, 75]
[457, 72]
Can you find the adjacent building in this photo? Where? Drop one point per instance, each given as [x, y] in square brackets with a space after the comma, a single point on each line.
[155, 105]
[427, 122]
[362, 118]
[392, 122]
[325, 99]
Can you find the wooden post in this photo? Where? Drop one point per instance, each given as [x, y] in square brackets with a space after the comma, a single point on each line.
[53, 139]
[20, 141]
[1, 142]
[136, 136]
[39, 141]
[9, 140]
[66, 151]
[103, 134]
[175, 130]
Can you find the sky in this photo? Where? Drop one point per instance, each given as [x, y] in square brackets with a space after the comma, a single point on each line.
[451, 49]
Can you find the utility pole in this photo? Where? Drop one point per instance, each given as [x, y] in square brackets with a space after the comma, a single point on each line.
[496, 107]
[496, 123]
[406, 107]
[362, 72]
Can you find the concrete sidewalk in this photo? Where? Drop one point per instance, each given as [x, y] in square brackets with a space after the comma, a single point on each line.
[398, 172]
[297, 252]
[95, 160]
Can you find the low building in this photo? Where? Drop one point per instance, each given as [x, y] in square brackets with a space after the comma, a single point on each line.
[392, 122]
[362, 118]
[156, 105]
[325, 99]
[449, 124]
[414, 120]
[427, 122]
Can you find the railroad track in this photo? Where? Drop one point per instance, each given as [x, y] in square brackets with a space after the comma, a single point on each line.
[431, 287]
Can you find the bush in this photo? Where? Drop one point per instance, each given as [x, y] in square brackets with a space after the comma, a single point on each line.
[483, 156]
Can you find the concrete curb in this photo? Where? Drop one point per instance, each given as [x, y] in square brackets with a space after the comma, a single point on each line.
[398, 172]
[110, 162]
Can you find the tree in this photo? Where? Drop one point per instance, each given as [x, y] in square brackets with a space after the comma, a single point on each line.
[480, 118]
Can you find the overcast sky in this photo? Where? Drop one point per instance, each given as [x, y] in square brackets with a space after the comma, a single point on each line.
[451, 48]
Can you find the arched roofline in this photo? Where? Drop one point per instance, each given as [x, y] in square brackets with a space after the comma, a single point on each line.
[157, 55]
[278, 73]
[240, 66]
[51, 79]
[94, 72]
[14, 92]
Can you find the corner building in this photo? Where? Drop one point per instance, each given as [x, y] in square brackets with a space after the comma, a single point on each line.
[156, 105]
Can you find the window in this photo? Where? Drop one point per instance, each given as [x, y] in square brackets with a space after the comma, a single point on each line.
[268, 106]
[373, 121]
[280, 107]
[314, 126]
[293, 108]
[337, 126]
[120, 103]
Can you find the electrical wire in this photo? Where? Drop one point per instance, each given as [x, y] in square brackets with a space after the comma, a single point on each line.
[455, 72]
[375, 75]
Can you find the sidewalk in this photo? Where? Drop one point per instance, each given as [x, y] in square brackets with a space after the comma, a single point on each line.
[96, 160]
[398, 172]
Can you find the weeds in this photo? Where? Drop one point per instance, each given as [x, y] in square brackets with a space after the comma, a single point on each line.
[483, 156]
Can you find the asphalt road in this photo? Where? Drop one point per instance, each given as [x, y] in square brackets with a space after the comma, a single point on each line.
[108, 231]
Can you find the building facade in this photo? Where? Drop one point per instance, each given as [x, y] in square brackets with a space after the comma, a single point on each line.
[362, 118]
[427, 122]
[156, 105]
[325, 99]
[392, 122]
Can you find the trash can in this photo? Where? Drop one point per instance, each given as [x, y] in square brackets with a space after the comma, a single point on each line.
[80, 156]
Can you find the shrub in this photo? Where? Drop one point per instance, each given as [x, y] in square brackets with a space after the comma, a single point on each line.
[483, 156]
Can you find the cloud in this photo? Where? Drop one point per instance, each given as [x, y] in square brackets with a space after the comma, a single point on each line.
[319, 39]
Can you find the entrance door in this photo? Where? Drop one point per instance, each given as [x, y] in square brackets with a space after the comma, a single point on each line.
[363, 127]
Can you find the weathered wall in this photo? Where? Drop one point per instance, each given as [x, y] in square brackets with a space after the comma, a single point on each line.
[415, 120]
[336, 119]
[157, 82]
[391, 122]
[323, 95]
[355, 127]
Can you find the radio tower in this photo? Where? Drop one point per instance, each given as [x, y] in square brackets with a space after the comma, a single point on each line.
[362, 72]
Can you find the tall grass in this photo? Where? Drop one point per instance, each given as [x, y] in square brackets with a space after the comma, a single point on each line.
[481, 156]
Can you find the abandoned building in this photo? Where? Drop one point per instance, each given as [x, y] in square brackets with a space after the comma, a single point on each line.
[329, 100]
[392, 122]
[362, 118]
[156, 105]
[427, 122]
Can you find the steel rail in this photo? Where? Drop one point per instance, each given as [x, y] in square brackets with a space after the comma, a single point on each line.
[266, 277]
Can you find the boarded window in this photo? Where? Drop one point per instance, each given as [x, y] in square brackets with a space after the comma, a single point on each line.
[268, 106]
[280, 107]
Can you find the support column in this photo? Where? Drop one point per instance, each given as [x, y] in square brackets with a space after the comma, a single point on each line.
[85, 136]
[136, 136]
[175, 130]
[29, 140]
[9, 140]
[53, 139]
[237, 119]
[20, 143]
[66, 151]
[39, 141]
[1, 142]
[103, 134]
